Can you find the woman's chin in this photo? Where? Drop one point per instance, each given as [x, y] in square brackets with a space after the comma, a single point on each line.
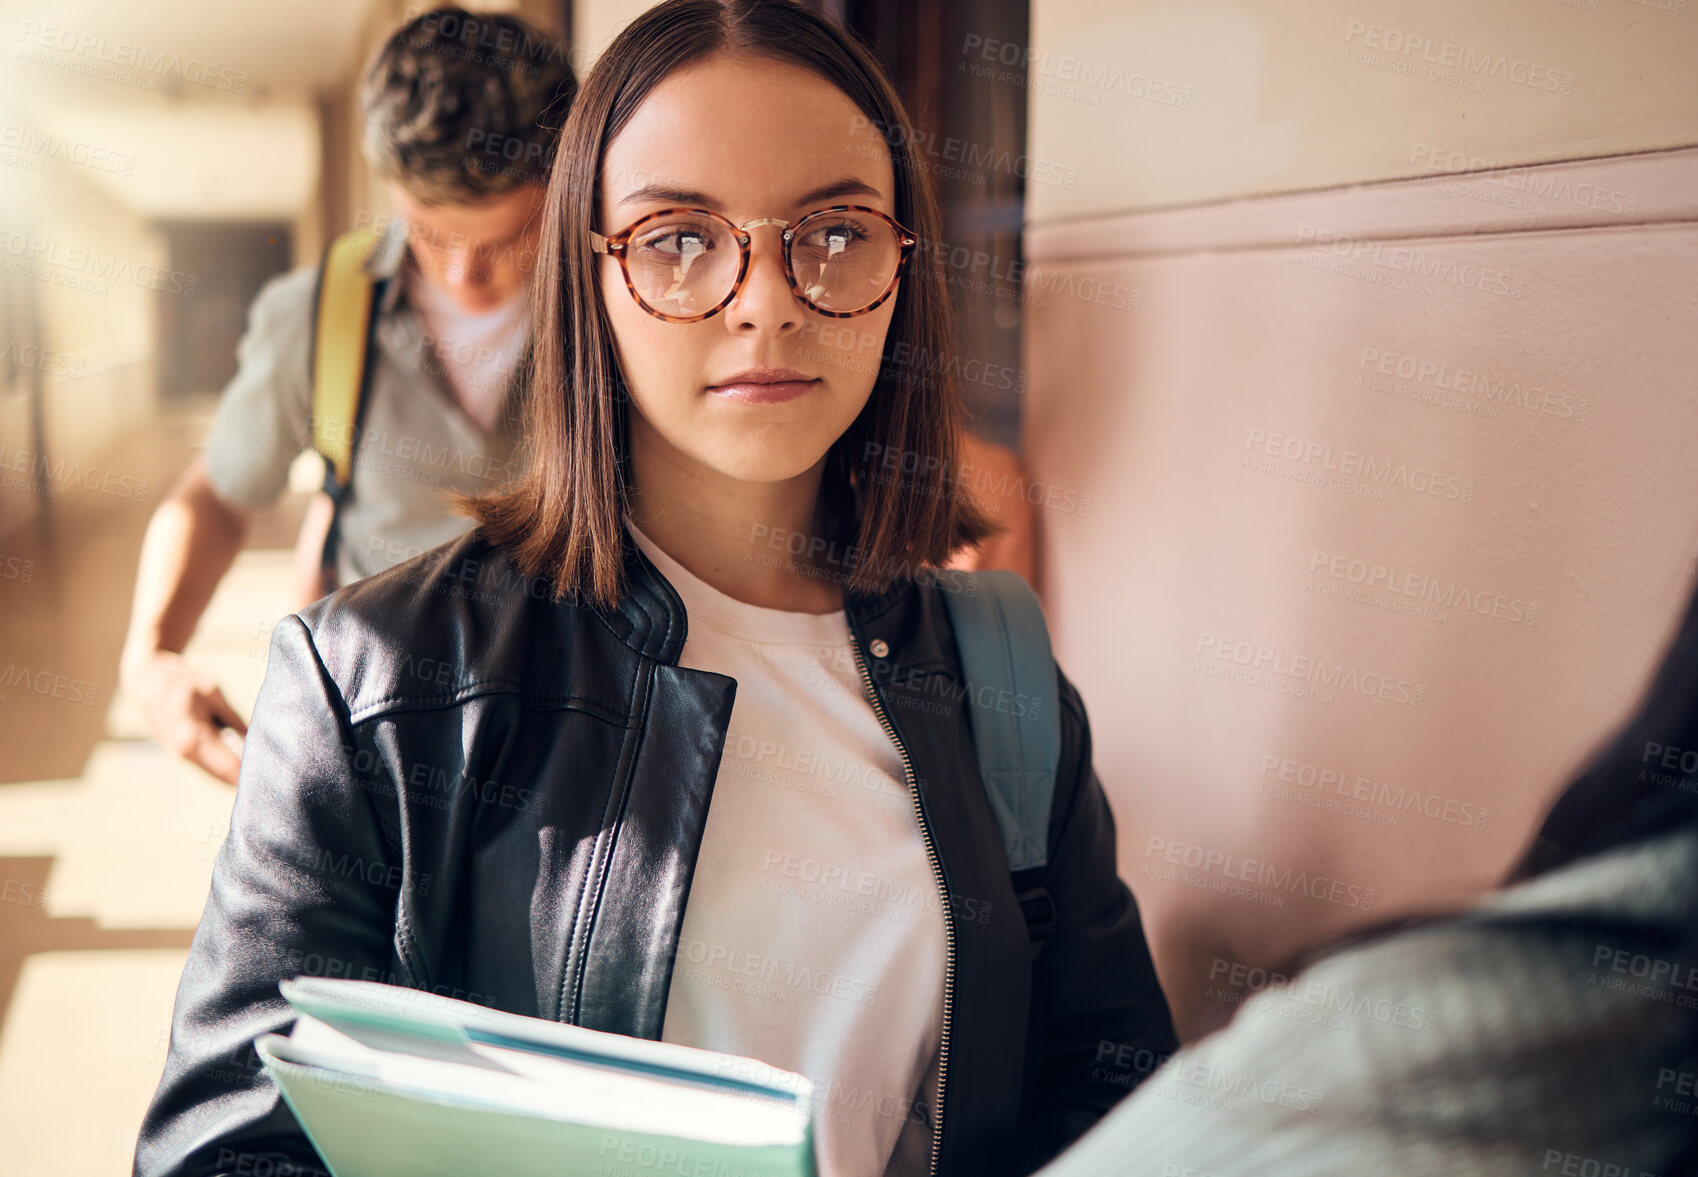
[765, 464]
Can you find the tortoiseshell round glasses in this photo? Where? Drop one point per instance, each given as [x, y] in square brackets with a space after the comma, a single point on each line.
[684, 265]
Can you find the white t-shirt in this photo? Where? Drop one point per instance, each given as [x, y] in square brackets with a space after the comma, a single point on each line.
[813, 938]
[474, 353]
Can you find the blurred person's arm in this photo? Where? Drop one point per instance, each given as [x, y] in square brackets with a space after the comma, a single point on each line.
[312, 579]
[996, 481]
[263, 422]
[1513, 1038]
[191, 542]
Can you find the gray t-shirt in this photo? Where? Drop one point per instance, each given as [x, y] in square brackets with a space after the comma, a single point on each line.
[415, 441]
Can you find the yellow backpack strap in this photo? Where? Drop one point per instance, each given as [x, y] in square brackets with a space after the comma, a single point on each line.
[339, 351]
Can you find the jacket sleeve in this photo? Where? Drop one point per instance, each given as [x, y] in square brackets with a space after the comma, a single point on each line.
[304, 883]
[1103, 1020]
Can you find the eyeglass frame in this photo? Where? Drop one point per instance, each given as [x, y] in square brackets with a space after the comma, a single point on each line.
[614, 246]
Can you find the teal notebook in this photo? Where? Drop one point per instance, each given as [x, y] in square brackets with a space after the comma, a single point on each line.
[395, 1082]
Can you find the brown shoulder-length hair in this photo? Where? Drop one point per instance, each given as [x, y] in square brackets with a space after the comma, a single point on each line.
[889, 493]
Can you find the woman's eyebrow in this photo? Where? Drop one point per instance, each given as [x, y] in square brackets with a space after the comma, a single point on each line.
[848, 186]
[669, 194]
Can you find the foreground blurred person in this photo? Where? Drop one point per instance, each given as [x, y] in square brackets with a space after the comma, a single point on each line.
[464, 141]
[1551, 1029]
[620, 759]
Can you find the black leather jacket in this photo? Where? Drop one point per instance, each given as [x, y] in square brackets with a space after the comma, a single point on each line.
[453, 782]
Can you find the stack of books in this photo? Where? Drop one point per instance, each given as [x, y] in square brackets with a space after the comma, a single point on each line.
[395, 1082]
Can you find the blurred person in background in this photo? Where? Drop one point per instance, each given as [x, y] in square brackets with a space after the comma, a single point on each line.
[462, 115]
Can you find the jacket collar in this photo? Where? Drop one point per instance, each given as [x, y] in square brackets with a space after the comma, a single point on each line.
[651, 614]
[652, 620]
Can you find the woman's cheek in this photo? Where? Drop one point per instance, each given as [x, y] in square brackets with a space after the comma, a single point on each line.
[640, 346]
[851, 352]
[664, 369]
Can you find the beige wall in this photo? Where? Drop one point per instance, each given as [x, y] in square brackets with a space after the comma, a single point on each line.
[90, 272]
[595, 23]
[1165, 102]
[1294, 418]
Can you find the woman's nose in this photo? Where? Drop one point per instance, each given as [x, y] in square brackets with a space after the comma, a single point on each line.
[765, 301]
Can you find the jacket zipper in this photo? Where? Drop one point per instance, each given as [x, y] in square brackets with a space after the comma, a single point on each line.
[943, 895]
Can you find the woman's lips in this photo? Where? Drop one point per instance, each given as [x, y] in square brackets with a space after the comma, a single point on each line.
[761, 391]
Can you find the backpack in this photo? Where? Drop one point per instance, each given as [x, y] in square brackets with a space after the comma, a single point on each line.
[342, 329]
[1006, 658]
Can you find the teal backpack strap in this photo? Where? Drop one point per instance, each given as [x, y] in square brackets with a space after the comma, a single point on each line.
[1014, 713]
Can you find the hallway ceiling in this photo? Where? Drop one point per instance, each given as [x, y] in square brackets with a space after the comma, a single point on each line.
[209, 103]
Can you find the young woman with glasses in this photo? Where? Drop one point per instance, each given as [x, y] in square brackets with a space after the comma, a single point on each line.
[675, 743]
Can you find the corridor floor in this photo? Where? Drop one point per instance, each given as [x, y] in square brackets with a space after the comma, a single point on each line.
[106, 841]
